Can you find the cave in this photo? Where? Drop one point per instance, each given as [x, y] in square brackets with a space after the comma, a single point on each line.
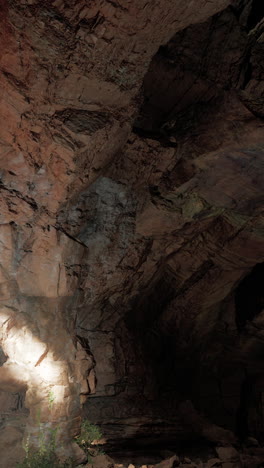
[131, 234]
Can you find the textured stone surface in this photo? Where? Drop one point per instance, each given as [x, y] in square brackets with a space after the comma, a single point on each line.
[128, 218]
[227, 453]
[169, 463]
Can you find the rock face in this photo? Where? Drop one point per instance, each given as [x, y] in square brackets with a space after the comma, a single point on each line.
[131, 221]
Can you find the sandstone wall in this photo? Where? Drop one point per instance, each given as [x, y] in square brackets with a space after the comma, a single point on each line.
[128, 215]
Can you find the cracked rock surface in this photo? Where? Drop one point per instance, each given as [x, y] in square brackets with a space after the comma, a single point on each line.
[131, 221]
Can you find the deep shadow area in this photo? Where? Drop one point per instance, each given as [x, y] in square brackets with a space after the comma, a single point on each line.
[145, 453]
[249, 297]
[256, 14]
[184, 83]
[246, 400]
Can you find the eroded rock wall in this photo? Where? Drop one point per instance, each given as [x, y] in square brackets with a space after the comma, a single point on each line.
[128, 217]
[200, 221]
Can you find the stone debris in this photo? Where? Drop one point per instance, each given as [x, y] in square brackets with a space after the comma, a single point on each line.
[229, 457]
[227, 454]
[252, 442]
[102, 461]
[169, 463]
[214, 462]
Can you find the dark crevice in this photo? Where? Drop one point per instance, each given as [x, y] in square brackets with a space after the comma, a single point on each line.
[196, 277]
[117, 5]
[13, 192]
[91, 23]
[3, 357]
[246, 399]
[247, 75]
[148, 308]
[237, 9]
[249, 297]
[82, 121]
[256, 14]
[160, 135]
[60, 228]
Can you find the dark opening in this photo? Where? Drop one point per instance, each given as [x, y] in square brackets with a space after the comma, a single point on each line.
[246, 397]
[249, 296]
[3, 357]
[247, 76]
[148, 308]
[146, 324]
[256, 14]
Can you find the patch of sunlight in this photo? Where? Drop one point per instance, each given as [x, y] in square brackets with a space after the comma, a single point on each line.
[29, 362]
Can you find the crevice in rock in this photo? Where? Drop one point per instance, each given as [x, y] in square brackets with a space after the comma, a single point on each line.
[182, 88]
[246, 400]
[60, 228]
[148, 308]
[147, 322]
[3, 357]
[16, 193]
[247, 75]
[249, 297]
[256, 14]
[164, 138]
[83, 121]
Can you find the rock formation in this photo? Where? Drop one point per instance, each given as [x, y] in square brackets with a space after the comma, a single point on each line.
[131, 221]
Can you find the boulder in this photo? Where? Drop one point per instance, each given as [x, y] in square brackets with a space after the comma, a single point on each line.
[171, 462]
[227, 454]
[213, 462]
[102, 461]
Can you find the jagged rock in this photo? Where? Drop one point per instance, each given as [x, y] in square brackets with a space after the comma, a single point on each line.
[252, 442]
[213, 462]
[202, 427]
[227, 453]
[259, 451]
[171, 462]
[131, 208]
[101, 461]
[251, 461]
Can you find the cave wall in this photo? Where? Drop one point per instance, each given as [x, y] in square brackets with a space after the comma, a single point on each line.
[190, 160]
[131, 208]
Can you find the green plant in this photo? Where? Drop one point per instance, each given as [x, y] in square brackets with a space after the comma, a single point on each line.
[51, 398]
[90, 434]
[40, 459]
[45, 455]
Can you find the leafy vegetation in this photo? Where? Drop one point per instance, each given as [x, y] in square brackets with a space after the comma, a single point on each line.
[45, 455]
[38, 460]
[88, 438]
[90, 434]
[51, 398]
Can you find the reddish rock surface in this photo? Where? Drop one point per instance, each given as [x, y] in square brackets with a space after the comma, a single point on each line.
[131, 157]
